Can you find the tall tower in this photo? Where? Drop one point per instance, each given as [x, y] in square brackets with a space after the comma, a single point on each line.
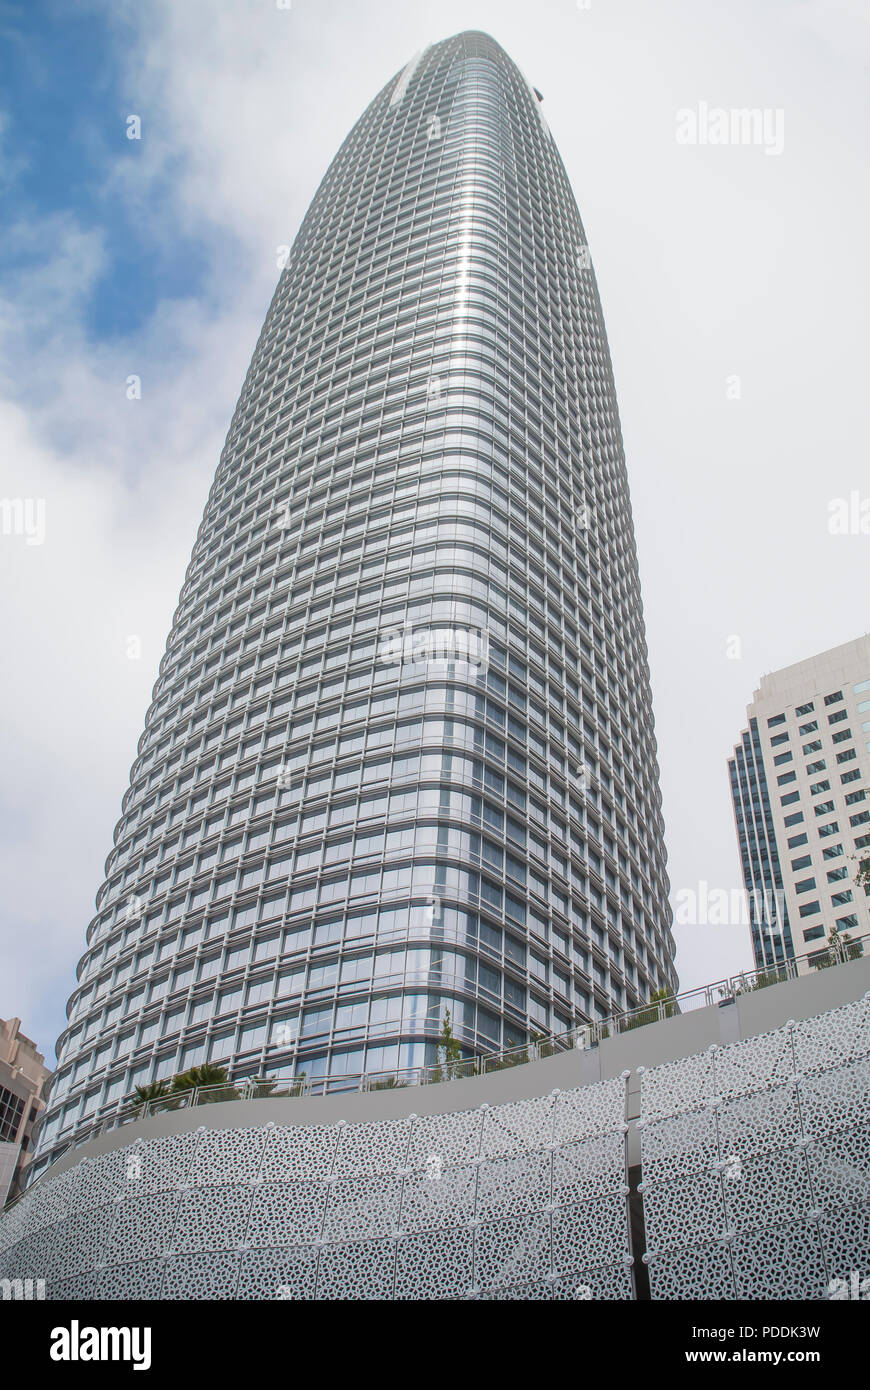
[400, 757]
[800, 784]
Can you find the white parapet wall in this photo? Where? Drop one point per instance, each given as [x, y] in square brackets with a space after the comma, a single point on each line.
[751, 1146]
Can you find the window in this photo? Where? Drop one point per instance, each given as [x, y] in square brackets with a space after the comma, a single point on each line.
[252, 1037]
[237, 957]
[11, 1113]
[259, 991]
[316, 1021]
[267, 948]
[202, 1009]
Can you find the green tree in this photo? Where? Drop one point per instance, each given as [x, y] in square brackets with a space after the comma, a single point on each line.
[206, 1076]
[841, 947]
[448, 1053]
[155, 1090]
[661, 997]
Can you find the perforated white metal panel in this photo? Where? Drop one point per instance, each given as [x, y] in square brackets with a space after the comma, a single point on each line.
[756, 1163]
[522, 1200]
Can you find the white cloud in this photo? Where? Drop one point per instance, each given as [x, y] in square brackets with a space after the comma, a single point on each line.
[123, 484]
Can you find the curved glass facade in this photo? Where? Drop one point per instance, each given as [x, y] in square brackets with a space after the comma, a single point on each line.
[400, 755]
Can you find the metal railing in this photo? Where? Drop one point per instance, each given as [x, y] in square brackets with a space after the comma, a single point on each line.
[580, 1038]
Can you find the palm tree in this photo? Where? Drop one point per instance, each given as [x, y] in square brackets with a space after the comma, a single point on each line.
[206, 1076]
[155, 1090]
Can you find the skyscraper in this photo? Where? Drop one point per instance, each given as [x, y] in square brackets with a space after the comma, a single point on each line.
[400, 756]
[799, 784]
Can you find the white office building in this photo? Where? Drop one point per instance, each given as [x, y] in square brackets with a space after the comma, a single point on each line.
[799, 782]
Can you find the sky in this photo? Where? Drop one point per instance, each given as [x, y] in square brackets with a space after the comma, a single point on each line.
[734, 286]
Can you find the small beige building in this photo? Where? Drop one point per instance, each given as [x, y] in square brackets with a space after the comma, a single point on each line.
[23, 1080]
